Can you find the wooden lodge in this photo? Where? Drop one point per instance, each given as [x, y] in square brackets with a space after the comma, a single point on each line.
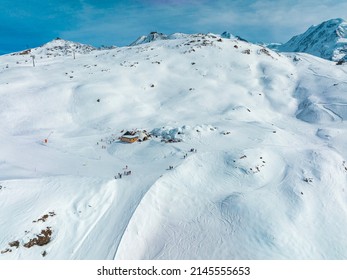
[129, 138]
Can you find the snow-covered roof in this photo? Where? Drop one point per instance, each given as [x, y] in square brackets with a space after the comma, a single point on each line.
[130, 136]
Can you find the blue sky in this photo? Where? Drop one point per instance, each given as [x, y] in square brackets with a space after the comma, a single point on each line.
[31, 23]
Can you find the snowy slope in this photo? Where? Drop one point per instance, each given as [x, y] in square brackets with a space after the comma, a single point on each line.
[265, 180]
[327, 40]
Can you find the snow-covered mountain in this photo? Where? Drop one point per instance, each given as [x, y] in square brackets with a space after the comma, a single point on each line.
[58, 47]
[245, 156]
[327, 40]
[151, 37]
[155, 36]
[227, 35]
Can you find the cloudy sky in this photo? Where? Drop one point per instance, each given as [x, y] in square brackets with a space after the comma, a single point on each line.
[31, 23]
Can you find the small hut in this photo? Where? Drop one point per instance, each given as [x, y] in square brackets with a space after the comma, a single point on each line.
[129, 137]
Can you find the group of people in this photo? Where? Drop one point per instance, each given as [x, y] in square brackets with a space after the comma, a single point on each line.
[192, 150]
[126, 173]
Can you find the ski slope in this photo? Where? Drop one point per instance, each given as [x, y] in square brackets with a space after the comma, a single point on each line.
[267, 179]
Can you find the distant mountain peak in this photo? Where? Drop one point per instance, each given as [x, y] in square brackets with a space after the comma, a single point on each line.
[327, 40]
[58, 47]
[64, 46]
[152, 36]
[157, 36]
[227, 35]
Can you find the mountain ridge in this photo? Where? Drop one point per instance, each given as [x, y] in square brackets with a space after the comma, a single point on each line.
[61, 47]
[327, 40]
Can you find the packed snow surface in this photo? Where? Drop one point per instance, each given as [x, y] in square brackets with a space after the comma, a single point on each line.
[247, 158]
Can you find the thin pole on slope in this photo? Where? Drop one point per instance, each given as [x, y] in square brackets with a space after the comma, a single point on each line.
[49, 134]
[33, 57]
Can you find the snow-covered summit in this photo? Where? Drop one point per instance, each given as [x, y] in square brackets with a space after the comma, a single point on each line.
[156, 36]
[59, 47]
[153, 36]
[327, 40]
[227, 35]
